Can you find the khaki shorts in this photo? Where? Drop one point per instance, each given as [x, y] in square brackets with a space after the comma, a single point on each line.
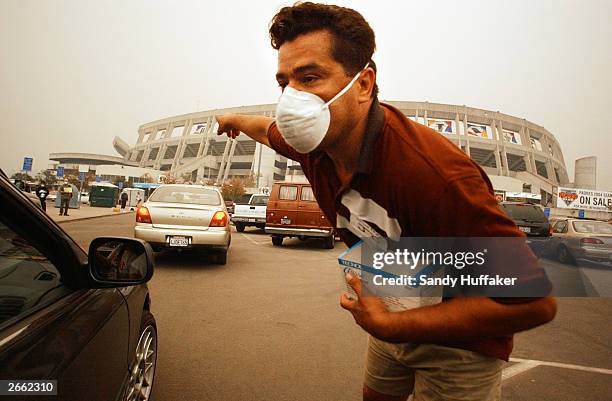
[431, 372]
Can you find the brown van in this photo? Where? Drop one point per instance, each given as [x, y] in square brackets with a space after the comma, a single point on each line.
[294, 212]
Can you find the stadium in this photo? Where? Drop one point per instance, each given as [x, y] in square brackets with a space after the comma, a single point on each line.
[517, 154]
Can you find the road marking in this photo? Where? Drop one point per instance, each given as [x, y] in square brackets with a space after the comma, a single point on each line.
[252, 240]
[534, 363]
[520, 367]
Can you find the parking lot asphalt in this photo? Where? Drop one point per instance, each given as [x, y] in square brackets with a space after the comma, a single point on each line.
[267, 326]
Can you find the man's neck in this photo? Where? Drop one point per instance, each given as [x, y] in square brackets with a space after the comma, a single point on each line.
[346, 151]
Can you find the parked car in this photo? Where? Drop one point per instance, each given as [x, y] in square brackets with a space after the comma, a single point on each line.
[52, 196]
[178, 216]
[84, 198]
[294, 212]
[531, 220]
[253, 213]
[582, 241]
[81, 319]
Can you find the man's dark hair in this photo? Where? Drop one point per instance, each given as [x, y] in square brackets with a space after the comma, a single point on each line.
[353, 44]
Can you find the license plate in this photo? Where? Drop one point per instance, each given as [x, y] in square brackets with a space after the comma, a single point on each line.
[179, 241]
[525, 229]
[285, 221]
[251, 220]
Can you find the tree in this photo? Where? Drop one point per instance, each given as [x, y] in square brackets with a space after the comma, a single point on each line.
[167, 179]
[22, 176]
[233, 188]
[47, 176]
[186, 177]
[148, 178]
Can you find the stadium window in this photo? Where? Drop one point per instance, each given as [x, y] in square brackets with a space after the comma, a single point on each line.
[177, 131]
[191, 150]
[170, 152]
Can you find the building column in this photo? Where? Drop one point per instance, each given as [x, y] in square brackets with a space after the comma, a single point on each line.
[180, 148]
[204, 142]
[467, 137]
[162, 149]
[221, 167]
[498, 162]
[141, 135]
[228, 165]
[457, 130]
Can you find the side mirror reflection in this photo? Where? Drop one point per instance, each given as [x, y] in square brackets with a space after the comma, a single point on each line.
[120, 261]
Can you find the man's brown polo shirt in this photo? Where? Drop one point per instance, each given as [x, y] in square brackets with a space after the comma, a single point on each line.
[411, 181]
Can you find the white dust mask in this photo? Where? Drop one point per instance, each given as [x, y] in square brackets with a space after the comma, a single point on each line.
[303, 118]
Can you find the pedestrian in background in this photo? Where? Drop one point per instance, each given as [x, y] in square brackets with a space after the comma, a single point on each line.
[65, 197]
[42, 192]
[124, 199]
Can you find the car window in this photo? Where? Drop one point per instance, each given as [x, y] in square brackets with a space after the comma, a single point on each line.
[560, 227]
[525, 212]
[28, 279]
[592, 227]
[287, 192]
[188, 195]
[307, 194]
[260, 200]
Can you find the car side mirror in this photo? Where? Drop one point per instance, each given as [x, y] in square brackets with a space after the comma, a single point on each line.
[120, 262]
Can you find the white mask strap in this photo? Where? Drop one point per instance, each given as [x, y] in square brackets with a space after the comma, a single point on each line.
[347, 87]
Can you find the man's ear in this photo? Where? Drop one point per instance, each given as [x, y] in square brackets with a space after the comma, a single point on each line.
[366, 83]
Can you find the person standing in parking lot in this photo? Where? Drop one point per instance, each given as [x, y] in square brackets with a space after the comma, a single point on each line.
[66, 195]
[375, 172]
[124, 199]
[42, 192]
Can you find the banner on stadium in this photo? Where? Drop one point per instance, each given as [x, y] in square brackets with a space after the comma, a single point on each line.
[512, 137]
[481, 131]
[442, 126]
[586, 199]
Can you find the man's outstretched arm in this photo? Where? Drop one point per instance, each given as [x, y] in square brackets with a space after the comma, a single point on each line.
[256, 127]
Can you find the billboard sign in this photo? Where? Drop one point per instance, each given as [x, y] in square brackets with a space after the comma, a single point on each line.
[480, 131]
[83, 168]
[442, 126]
[27, 163]
[587, 199]
[512, 137]
[60, 172]
[81, 176]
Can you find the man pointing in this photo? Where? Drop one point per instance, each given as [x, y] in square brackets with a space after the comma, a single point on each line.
[375, 172]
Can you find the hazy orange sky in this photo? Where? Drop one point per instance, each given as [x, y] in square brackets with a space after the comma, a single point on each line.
[76, 73]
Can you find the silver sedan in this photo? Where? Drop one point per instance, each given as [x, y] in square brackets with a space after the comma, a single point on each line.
[582, 241]
[185, 216]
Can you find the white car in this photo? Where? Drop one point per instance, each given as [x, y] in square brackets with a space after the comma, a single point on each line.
[84, 198]
[185, 216]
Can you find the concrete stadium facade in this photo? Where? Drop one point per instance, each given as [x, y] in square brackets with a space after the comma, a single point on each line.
[505, 146]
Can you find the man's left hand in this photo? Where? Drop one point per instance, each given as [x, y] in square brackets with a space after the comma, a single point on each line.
[369, 312]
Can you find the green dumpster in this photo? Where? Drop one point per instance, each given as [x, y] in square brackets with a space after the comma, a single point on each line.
[103, 195]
